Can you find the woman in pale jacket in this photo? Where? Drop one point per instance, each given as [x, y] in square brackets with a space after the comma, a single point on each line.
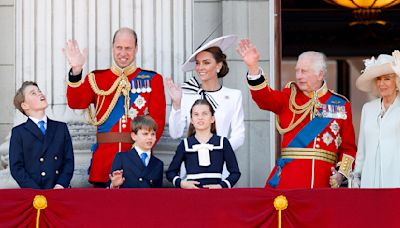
[210, 64]
[378, 157]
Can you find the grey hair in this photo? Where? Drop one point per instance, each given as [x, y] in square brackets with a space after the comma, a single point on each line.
[319, 62]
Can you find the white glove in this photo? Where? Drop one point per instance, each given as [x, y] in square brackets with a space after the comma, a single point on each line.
[355, 180]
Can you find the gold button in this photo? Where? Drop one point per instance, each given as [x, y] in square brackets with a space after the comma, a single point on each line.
[318, 139]
[317, 146]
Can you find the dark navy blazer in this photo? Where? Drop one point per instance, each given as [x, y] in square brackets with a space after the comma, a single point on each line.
[41, 161]
[222, 153]
[135, 173]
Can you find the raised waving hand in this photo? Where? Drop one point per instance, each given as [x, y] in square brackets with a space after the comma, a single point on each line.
[75, 57]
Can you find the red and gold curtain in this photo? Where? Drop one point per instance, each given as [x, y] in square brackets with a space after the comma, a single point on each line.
[200, 208]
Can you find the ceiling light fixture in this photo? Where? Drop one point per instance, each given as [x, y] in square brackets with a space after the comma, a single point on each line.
[365, 11]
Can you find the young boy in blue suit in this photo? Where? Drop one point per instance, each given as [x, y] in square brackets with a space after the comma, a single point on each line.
[138, 168]
[41, 154]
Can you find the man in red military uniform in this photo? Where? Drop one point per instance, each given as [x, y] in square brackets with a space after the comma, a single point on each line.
[316, 123]
[118, 95]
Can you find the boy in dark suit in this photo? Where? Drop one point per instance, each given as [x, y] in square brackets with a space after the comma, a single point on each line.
[138, 168]
[41, 154]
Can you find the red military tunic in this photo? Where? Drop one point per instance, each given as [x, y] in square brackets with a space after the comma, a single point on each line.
[308, 152]
[146, 95]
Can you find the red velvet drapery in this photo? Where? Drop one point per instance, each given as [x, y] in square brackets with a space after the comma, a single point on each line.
[201, 208]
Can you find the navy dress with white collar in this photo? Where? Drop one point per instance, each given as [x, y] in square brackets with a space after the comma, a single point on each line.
[203, 166]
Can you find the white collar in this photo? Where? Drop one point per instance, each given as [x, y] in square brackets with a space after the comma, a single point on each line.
[140, 151]
[36, 121]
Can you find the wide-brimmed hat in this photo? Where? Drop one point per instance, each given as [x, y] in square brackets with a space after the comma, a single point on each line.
[223, 43]
[374, 68]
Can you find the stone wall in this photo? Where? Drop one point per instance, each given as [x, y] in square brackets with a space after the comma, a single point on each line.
[168, 32]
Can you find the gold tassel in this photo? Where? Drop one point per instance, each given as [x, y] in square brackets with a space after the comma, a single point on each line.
[39, 202]
[280, 203]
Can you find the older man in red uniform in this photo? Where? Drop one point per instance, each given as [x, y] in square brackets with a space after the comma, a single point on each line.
[316, 123]
[118, 95]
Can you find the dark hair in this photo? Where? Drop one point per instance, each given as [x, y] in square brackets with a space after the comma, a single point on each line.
[219, 57]
[125, 29]
[19, 97]
[192, 130]
[143, 122]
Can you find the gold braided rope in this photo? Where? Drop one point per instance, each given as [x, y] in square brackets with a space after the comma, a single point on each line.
[100, 92]
[309, 107]
[98, 103]
[121, 85]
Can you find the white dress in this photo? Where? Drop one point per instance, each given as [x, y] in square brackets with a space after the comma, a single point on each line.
[228, 115]
[378, 155]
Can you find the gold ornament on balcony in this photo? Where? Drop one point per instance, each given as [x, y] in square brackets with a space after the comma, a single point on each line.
[366, 11]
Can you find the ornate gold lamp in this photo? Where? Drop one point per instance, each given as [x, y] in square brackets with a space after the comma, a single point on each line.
[365, 11]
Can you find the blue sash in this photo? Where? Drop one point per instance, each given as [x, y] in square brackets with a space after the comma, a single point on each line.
[304, 137]
[118, 110]
[314, 127]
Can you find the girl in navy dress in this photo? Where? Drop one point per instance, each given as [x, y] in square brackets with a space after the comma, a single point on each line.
[204, 153]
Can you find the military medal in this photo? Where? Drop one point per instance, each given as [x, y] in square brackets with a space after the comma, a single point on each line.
[133, 90]
[148, 86]
[132, 113]
[335, 127]
[138, 90]
[144, 87]
[338, 141]
[140, 102]
[342, 111]
[333, 111]
[327, 138]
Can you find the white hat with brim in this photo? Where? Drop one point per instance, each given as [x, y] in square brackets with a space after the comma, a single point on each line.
[374, 68]
[223, 43]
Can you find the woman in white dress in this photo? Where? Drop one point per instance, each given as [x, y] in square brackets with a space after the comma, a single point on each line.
[210, 64]
[378, 156]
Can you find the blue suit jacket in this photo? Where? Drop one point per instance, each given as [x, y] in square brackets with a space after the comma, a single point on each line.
[41, 161]
[136, 174]
[217, 159]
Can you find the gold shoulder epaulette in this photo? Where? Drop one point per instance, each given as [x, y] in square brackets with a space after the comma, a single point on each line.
[340, 95]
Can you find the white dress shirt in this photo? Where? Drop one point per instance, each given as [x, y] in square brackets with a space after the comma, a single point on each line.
[36, 121]
[140, 151]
